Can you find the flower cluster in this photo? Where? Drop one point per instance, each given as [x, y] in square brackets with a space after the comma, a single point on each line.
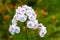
[26, 13]
[43, 30]
[14, 29]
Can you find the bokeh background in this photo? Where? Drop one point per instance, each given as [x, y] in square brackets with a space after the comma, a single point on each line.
[48, 13]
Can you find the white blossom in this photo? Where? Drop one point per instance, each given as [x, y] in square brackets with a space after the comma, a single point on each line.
[22, 18]
[29, 12]
[34, 14]
[19, 17]
[40, 25]
[12, 29]
[43, 31]
[17, 29]
[27, 7]
[30, 24]
[14, 20]
[20, 10]
[35, 24]
[32, 18]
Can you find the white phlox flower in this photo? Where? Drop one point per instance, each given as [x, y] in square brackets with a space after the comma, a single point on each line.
[19, 17]
[14, 20]
[22, 13]
[18, 10]
[43, 31]
[30, 24]
[40, 26]
[17, 29]
[22, 10]
[35, 24]
[26, 7]
[34, 14]
[22, 18]
[29, 12]
[32, 18]
[12, 29]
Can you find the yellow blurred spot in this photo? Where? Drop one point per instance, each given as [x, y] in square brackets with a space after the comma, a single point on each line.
[46, 13]
[1, 3]
[29, 32]
[53, 17]
[2, 11]
[10, 37]
[21, 3]
[56, 20]
[5, 28]
[15, 7]
[51, 24]
[39, 0]
[9, 6]
[7, 17]
[36, 11]
[32, 0]
[32, 31]
[42, 11]
[24, 28]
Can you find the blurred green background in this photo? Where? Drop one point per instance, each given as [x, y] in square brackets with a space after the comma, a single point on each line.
[48, 13]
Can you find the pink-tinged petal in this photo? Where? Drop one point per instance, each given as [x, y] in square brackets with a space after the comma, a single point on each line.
[12, 29]
[17, 29]
[30, 24]
[43, 31]
[32, 18]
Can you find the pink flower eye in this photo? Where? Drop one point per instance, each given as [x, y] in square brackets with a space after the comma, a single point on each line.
[42, 33]
[39, 26]
[26, 9]
[18, 13]
[22, 10]
[30, 24]
[31, 17]
[12, 28]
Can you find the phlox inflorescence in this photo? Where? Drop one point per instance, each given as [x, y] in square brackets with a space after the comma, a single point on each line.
[26, 13]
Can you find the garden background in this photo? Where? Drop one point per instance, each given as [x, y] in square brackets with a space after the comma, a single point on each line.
[48, 13]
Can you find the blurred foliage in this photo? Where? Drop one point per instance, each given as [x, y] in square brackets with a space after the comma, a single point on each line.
[48, 13]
